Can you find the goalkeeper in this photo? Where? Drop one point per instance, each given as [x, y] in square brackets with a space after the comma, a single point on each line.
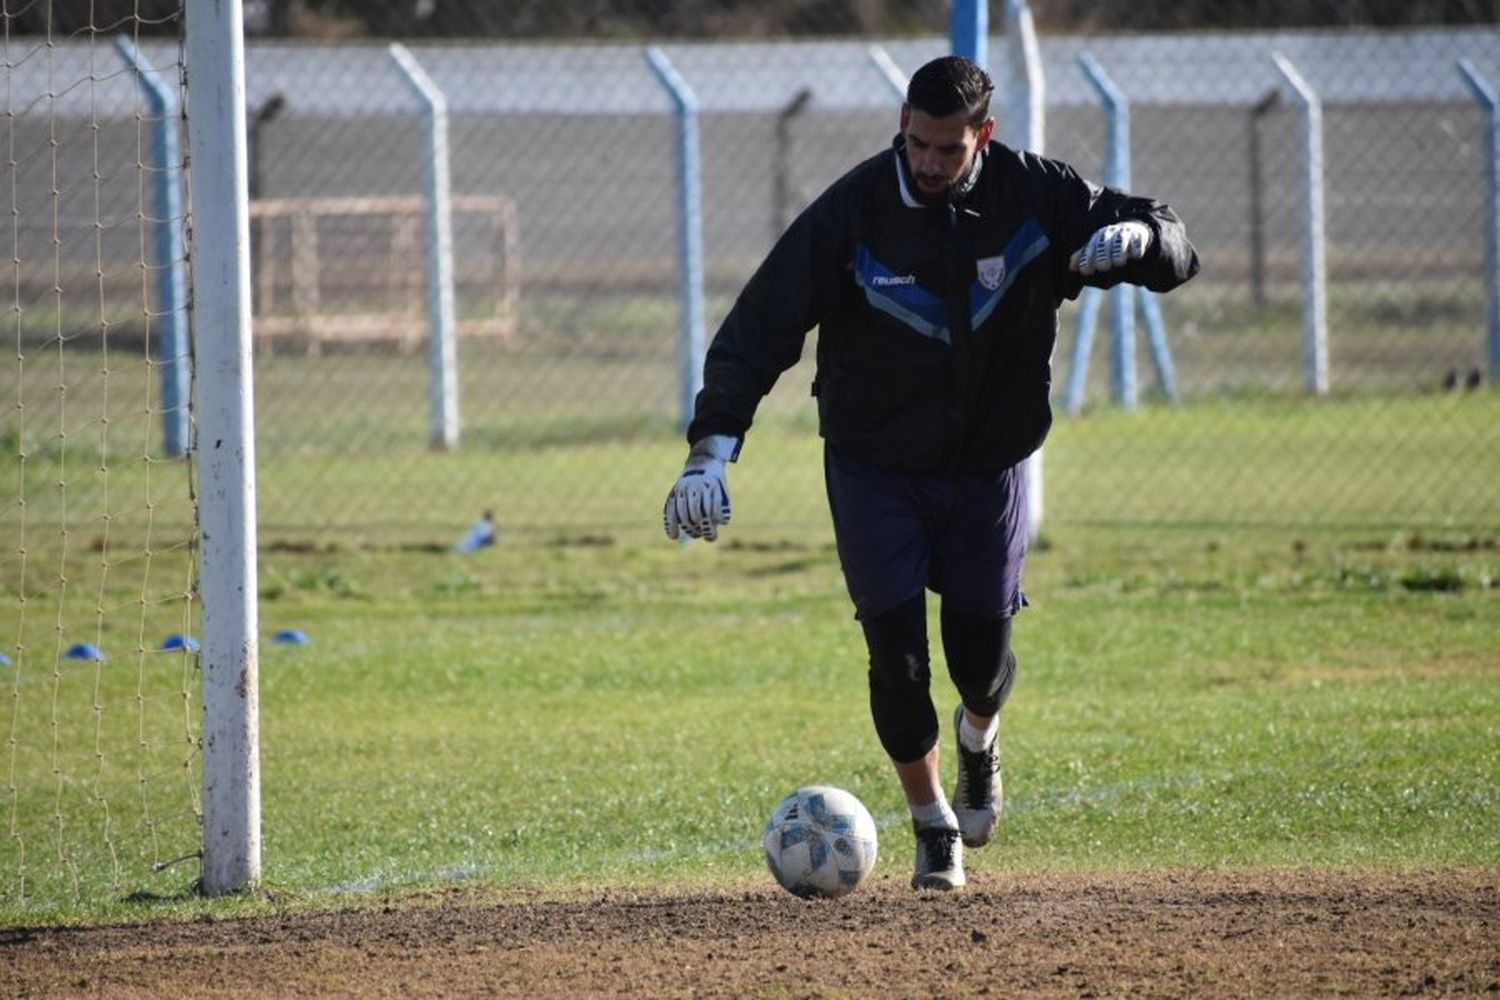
[933, 271]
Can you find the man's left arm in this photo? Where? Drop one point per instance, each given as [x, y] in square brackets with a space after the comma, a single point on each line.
[1109, 236]
[1146, 244]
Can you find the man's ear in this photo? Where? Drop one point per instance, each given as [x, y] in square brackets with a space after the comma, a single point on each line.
[905, 117]
[986, 129]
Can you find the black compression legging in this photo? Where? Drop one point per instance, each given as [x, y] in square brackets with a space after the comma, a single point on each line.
[980, 663]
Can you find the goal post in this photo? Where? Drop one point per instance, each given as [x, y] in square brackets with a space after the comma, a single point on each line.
[225, 446]
[1023, 125]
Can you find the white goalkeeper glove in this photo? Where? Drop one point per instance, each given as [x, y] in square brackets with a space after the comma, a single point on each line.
[699, 503]
[1114, 245]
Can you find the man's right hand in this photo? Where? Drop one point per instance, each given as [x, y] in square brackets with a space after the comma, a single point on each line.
[699, 502]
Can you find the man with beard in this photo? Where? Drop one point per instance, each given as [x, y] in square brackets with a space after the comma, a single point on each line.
[933, 272]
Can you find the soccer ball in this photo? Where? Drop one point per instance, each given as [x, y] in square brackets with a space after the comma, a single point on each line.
[820, 842]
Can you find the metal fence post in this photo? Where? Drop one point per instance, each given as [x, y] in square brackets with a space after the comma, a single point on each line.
[1156, 340]
[689, 227]
[1255, 207]
[969, 26]
[1485, 95]
[1083, 346]
[442, 360]
[1314, 289]
[782, 208]
[169, 243]
[1123, 297]
[1023, 123]
[1117, 175]
[895, 79]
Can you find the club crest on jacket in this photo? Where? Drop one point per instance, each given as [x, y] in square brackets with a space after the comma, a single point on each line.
[991, 271]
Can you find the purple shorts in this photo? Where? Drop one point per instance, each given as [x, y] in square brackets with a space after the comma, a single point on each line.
[898, 533]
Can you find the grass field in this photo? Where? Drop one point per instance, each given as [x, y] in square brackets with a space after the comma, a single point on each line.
[1222, 684]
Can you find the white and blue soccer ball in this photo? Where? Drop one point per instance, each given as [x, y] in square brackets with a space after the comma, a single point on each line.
[820, 842]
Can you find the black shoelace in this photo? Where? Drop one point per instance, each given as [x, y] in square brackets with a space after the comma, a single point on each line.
[979, 770]
[939, 843]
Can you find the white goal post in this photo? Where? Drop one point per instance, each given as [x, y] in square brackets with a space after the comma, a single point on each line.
[102, 739]
[1024, 126]
[225, 445]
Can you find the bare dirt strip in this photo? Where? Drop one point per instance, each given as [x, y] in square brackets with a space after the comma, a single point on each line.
[1262, 933]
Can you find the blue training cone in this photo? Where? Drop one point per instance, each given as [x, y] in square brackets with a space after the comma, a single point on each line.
[292, 636]
[84, 651]
[180, 640]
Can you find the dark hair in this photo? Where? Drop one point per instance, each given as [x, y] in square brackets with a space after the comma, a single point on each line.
[951, 84]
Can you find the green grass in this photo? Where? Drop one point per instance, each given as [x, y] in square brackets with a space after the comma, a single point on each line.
[570, 715]
[587, 394]
[1265, 631]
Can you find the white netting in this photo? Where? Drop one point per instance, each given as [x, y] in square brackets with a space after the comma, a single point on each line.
[100, 748]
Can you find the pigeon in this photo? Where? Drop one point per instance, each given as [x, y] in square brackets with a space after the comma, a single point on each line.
[481, 534]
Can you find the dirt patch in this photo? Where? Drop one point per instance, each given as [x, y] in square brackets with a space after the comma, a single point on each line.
[1159, 934]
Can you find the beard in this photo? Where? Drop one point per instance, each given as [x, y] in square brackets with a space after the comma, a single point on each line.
[932, 196]
[950, 190]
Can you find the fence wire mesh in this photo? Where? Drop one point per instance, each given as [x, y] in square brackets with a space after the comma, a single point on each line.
[565, 228]
[578, 394]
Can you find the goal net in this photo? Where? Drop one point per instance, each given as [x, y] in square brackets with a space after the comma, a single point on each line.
[100, 760]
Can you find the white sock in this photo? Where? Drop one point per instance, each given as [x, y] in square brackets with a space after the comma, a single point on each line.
[937, 813]
[974, 739]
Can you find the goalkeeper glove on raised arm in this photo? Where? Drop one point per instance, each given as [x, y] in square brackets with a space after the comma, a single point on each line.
[1114, 245]
[699, 502]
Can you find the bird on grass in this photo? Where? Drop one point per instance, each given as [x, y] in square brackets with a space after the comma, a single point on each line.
[480, 534]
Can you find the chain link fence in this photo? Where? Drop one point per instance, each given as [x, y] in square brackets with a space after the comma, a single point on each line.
[565, 224]
[570, 362]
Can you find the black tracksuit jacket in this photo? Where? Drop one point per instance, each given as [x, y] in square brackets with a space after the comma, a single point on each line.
[936, 324]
